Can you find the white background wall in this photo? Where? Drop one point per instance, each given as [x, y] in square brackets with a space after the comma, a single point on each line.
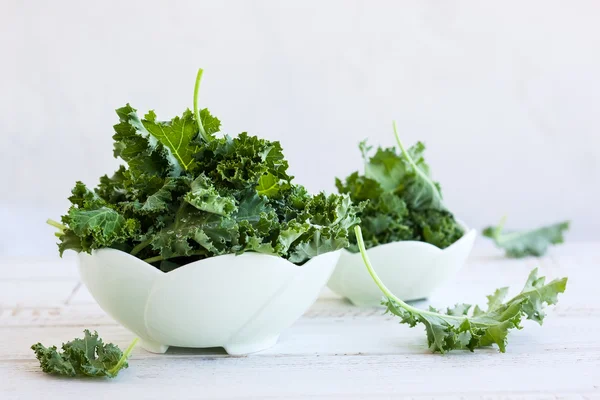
[505, 94]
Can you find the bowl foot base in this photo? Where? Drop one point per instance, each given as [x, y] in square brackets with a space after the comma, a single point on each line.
[153, 347]
[236, 349]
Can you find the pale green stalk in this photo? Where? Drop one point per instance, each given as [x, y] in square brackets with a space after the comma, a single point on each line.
[203, 133]
[140, 246]
[56, 224]
[382, 287]
[123, 358]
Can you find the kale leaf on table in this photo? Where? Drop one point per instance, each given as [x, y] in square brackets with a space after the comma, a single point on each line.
[83, 357]
[186, 194]
[466, 327]
[533, 242]
[400, 199]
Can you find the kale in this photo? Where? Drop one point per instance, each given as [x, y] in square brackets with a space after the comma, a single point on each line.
[399, 198]
[186, 194]
[466, 327]
[533, 242]
[83, 357]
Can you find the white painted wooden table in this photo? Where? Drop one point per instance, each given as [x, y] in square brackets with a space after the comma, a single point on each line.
[334, 351]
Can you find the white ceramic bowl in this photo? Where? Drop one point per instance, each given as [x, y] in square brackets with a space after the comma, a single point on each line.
[412, 270]
[241, 303]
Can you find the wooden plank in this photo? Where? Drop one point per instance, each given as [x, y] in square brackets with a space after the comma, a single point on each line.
[318, 376]
[581, 301]
[92, 314]
[368, 335]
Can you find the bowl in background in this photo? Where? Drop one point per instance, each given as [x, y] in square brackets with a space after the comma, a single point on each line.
[412, 270]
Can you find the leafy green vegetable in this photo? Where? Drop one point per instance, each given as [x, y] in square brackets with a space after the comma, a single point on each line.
[177, 135]
[205, 197]
[534, 242]
[458, 328]
[83, 357]
[401, 201]
[420, 191]
[185, 194]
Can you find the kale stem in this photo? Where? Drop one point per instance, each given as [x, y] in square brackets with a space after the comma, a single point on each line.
[196, 110]
[412, 162]
[154, 259]
[161, 258]
[365, 257]
[140, 246]
[55, 224]
[498, 229]
[404, 152]
[123, 358]
[402, 149]
[382, 287]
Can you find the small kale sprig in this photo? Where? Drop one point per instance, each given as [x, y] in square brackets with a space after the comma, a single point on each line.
[401, 200]
[185, 194]
[533, 242]
[83, 357]
[458, 328]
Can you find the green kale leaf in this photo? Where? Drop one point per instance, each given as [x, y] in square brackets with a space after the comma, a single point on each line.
[83, 357]
[534, 242]
[400, 200]
[177, 135]
[271, 186]
[143, 152]
[458, 328]
[104, 225]
[205, 197]
[185, 194]
[437, 227]
[420, 192]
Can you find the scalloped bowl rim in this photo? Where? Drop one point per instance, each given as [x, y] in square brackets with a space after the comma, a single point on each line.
[413, 243]
[207, 260]
[357, 286]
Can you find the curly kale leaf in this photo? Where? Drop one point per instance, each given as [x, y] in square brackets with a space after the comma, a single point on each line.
[185, 194]
[406, 173]
[320, 227]
[194, 233]
[419, 191]
[143, 152]
[204, 196]
[105, 225]
[458, 328]
[83, 357]
[400, 200]
[386, 217]
[388, 169]
[436, 227]
[177, 135]
[92, 223]
[158, 196]
[328, 220]
[534, 242]
[241, 161]
[271, 186]
[320, 242]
